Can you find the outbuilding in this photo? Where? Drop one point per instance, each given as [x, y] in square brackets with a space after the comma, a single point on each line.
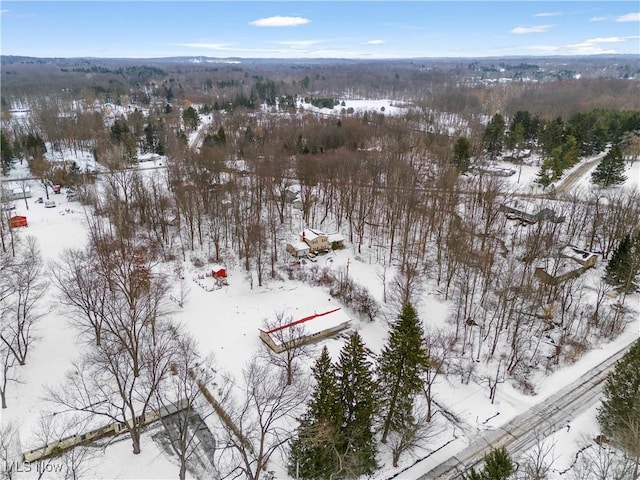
[17, 221]
[306, 330]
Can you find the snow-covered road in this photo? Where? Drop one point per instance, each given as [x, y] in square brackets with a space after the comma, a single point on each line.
[521, 434]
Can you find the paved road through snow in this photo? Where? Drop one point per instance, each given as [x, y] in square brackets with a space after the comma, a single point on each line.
[520, 433]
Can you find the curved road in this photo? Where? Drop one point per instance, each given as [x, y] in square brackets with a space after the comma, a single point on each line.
[519, 434]
[576, 175]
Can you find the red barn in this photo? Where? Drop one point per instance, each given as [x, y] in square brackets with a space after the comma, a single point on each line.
[219, 273]
[17, 221]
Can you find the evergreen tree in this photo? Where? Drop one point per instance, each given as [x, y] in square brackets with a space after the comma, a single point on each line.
[551, 136]
[6, 152]
[221, 137]
[610, 170]
[357, 389]
[543, 177]
[191, 118]
[497, 466]
[402, 363]
[494, 135]
[529, 125]
[624, 265]
[314, 453]
[619, 415]
[462, 154]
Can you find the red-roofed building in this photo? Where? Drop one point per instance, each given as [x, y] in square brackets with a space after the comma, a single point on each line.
[306, 330]
[17, 221]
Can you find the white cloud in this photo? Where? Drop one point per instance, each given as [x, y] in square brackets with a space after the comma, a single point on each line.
[207, 46]
[548, 14]
[3, 11]
[279, 21]
[534, 29]
[544, 48]
[605, 40]
[598, 19]
[374, 42]
[590, 46]
[298, 43]
[629, 17]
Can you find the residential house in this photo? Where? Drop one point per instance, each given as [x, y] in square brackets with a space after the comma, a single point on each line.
[528, 212]
[583, 257]
[317, 240]
[571, 262]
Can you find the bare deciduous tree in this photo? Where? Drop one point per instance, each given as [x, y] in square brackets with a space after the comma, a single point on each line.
[439, 346]
[289, 337]
[105, 382]
[263, 413]
[82, 290]
[73, 462]
[413, 436]
[25, 289]
[9, 449]
[536, 463]
[601, 462]
[178, 394]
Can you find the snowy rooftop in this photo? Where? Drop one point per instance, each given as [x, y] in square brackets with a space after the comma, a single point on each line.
[577, 254]
[311, 325]
[311, 234]
[298, 245]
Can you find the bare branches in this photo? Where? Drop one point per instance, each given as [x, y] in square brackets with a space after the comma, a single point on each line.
[264, 412]
[290, 338]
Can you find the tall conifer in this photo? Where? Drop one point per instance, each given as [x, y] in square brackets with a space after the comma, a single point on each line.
[314, 453]
[400, 371]
[357, 391]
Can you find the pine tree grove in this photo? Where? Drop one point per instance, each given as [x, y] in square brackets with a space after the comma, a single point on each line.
[314, 453]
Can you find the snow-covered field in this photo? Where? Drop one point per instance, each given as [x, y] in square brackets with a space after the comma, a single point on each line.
[226, 321]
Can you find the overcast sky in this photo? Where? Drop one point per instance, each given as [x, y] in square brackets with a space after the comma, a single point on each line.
[313, 29]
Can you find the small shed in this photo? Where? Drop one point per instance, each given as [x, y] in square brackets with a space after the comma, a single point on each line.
[219, 272]
[17, 221]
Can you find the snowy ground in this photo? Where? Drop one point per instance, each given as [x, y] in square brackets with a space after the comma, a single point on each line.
[226, 322]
